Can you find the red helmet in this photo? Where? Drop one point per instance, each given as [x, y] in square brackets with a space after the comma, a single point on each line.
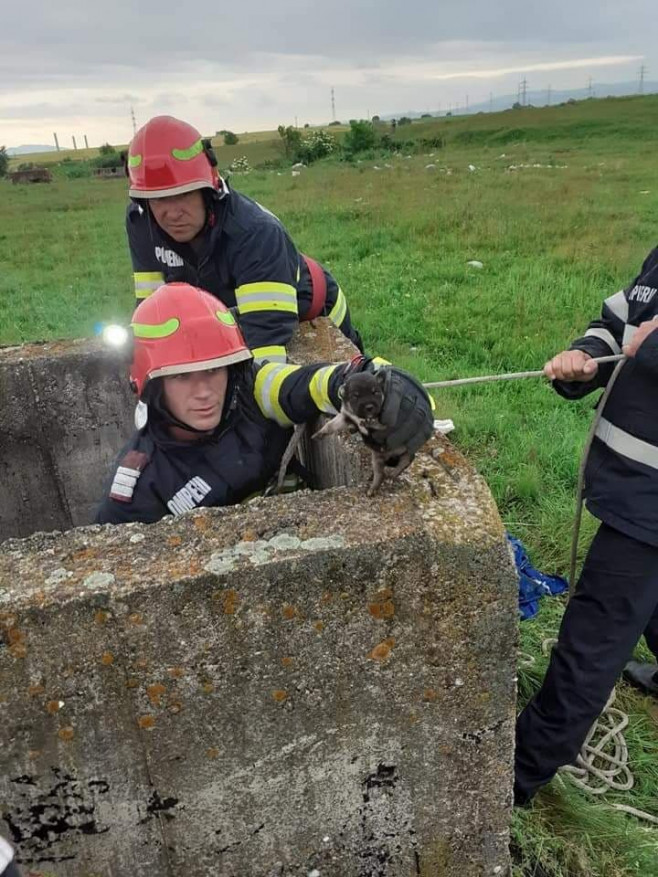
[169, 157]
[180, 328]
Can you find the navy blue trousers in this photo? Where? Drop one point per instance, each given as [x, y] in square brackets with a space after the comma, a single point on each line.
[615, 602]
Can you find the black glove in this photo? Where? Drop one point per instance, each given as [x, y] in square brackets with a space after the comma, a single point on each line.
[407, 411]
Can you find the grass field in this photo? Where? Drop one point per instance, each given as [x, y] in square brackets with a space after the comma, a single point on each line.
[554, 240]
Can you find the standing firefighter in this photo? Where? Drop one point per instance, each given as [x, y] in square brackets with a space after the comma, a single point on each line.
[185, 224]
[219, 423]
[616, 598]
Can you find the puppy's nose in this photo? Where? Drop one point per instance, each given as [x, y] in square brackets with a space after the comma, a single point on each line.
[370, 409]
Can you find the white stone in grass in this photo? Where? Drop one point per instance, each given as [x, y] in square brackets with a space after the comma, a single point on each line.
[472, 167]
[430, 167]
[475, 264]
[296, 173]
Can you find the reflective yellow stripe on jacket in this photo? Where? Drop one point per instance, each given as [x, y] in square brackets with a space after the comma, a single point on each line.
[339, 310]
[266, 296]
[273, 353]
[147, 282]
[267, 389]
[319, 388]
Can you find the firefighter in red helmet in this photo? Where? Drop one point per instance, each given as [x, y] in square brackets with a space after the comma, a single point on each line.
[219, 423]
[185, 224]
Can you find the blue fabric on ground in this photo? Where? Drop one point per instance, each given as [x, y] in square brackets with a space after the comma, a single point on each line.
[532, 583]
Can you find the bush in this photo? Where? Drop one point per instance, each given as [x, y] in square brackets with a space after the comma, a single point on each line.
[292, 139]
[405, 120]
[317, 144]
[230, 139]
[240, 165]
[335, 122]
[75, 170]
[107, 149]
[4, 161]
[359, 138]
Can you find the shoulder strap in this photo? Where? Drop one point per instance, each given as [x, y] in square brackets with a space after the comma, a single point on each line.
[318, 289]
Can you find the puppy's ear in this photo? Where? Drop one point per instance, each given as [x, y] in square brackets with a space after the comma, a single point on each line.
[380, 376]
[341, 392]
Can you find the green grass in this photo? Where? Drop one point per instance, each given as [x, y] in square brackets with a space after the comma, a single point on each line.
[554, 242]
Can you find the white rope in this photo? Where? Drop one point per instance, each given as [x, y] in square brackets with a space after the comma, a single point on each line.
[510, 376]
[602, 763]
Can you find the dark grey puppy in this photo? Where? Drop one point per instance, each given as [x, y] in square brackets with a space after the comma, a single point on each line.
[362, 397]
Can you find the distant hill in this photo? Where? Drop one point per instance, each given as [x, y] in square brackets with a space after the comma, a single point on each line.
[536, 98]
[28, 149]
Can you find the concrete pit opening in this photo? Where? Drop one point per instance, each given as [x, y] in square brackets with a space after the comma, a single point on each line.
[317, 683]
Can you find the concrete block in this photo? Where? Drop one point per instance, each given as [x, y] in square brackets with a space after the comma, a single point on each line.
[316, 682]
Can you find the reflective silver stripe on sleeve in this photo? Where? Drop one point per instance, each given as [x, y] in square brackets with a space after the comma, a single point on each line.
[122, 490]
[618, 305]
[604, 336]
[629, 331]
[627, 445]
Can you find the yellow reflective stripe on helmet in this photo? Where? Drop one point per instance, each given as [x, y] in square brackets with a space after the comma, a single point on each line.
[189, 153]
[267, 388]
[147, 282]
[379, 360]
[266, 296]
[134, 160]
[155, 330]
[319, 389]
[339, 311]
[274, 353]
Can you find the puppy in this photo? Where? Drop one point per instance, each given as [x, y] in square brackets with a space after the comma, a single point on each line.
[362, 398]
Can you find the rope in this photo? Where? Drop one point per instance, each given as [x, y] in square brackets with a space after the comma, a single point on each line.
[602, 763]
[510, 376]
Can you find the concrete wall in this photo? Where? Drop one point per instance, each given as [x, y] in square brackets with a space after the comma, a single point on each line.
[311, 684]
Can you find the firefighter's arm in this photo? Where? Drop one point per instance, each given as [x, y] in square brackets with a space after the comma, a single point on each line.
[265, 268]
[296, 394]
[147, 272]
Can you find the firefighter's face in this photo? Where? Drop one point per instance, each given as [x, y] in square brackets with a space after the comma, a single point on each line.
[197, 398]
[182, 217]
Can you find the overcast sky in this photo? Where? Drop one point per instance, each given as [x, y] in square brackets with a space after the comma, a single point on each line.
[77, 68]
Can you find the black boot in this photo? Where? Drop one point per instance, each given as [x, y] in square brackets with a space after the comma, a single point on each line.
[642, 675]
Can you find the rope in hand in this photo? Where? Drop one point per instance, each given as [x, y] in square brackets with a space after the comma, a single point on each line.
[602, 763]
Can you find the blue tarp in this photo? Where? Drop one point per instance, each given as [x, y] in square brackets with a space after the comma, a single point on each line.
[532, 583]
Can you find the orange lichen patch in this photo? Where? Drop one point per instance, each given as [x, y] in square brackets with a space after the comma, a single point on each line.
[382, 651]
[382, 610]
[66, 734]
[176, 672]
[146, 722]
[287, 662]
[249, 536]
[136, 618]
[39, 598]
[230, 602]
[7, 620]
[18, 650]
[327, 597]
[207, 687]
[413, 718]
[155, 692]
[319, 626]
[174, 541]
[175, 707]
[101, 616]
[14, 635]
[53, 706]
[84, 554]
[211, 752]
[132, 682]
[429, 695]
[33, 753]
[279, 695]
[35, 690]
[141, 663]
[201, 523]
[107, 658]
[290, 612]
[384, 594]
